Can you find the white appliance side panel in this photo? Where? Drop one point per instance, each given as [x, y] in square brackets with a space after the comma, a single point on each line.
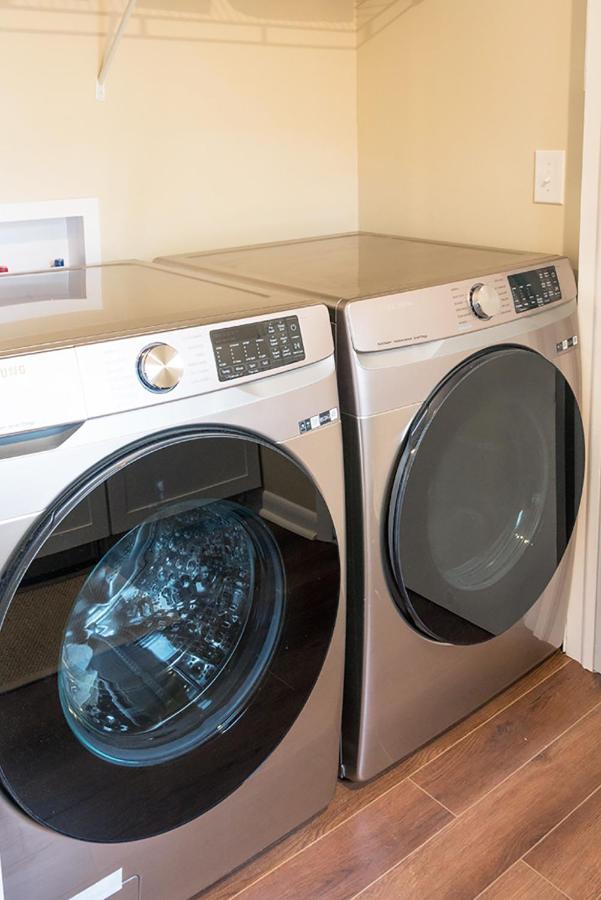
[40, 390]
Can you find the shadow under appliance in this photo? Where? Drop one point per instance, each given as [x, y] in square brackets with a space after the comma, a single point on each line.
[459, 380]
[171, 638]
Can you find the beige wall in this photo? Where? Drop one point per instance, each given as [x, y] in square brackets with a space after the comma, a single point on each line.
[454, 98]
[230, 121]
[225, 120]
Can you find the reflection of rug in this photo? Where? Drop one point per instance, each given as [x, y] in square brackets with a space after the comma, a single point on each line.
[32, 632]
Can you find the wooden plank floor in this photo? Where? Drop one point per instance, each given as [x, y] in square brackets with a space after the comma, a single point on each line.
[507, 804]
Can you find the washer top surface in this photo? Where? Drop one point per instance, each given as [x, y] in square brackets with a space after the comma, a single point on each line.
[66, 307]
[356, 266]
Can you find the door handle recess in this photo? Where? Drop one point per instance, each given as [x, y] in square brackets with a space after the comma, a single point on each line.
[36, 441]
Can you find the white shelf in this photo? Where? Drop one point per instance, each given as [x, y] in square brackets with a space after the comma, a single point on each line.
[109, 56]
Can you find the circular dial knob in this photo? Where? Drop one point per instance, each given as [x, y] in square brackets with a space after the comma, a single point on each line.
[485, 301]
[160, 367]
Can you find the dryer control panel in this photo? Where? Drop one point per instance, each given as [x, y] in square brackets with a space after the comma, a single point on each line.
[257, 347]
[533, 289]
[439, 311]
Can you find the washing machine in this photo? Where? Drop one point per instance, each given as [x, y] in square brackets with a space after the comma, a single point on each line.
[171, 543]
[459, 379]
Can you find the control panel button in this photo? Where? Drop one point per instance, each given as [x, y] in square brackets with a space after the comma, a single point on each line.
[257, 347]
[484, 301]
[160, 368]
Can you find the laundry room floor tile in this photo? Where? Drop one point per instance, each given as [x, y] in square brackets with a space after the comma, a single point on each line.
[570, 856]
[506, 804]
[521, 882]
[467, 856]
[475, 765]
[353, 855]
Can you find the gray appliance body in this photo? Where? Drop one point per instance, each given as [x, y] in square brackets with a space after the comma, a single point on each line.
[411, 350]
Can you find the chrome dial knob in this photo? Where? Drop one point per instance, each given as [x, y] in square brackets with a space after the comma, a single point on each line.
[160, 368]
[484, 301]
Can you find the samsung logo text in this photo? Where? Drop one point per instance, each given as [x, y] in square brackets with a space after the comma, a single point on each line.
[12, 371]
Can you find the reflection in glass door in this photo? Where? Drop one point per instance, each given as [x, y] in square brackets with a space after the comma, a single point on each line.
[171, 631]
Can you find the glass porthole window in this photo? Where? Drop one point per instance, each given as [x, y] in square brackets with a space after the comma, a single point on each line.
[485, 496]
[171, 632]
[166, 620]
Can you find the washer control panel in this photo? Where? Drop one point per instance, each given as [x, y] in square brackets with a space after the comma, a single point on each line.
[257, 347]
[533, 289]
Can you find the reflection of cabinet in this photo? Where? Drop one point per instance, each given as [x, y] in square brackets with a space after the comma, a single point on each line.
[219, 467]
[88, 522]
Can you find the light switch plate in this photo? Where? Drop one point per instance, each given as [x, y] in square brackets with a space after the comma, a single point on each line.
[549, 176]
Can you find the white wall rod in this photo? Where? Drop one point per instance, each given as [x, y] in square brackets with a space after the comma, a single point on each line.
[109, 56]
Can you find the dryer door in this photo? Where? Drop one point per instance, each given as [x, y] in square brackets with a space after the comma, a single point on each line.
[146, 674]
[485, 496]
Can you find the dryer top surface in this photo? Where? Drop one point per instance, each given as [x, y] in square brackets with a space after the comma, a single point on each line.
[65, 307]
[356, 266]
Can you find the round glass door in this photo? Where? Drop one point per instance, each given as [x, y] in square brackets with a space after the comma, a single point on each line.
[485, 496]
[171, 632]
[161, 636]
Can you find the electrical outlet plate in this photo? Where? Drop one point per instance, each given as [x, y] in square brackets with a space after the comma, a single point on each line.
[549, 176]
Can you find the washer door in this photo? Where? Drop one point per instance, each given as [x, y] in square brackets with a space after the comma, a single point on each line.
[146, 673]
[485, 496]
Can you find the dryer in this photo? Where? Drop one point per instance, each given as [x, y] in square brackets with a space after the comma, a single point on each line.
[171, 542]
[459, 377]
